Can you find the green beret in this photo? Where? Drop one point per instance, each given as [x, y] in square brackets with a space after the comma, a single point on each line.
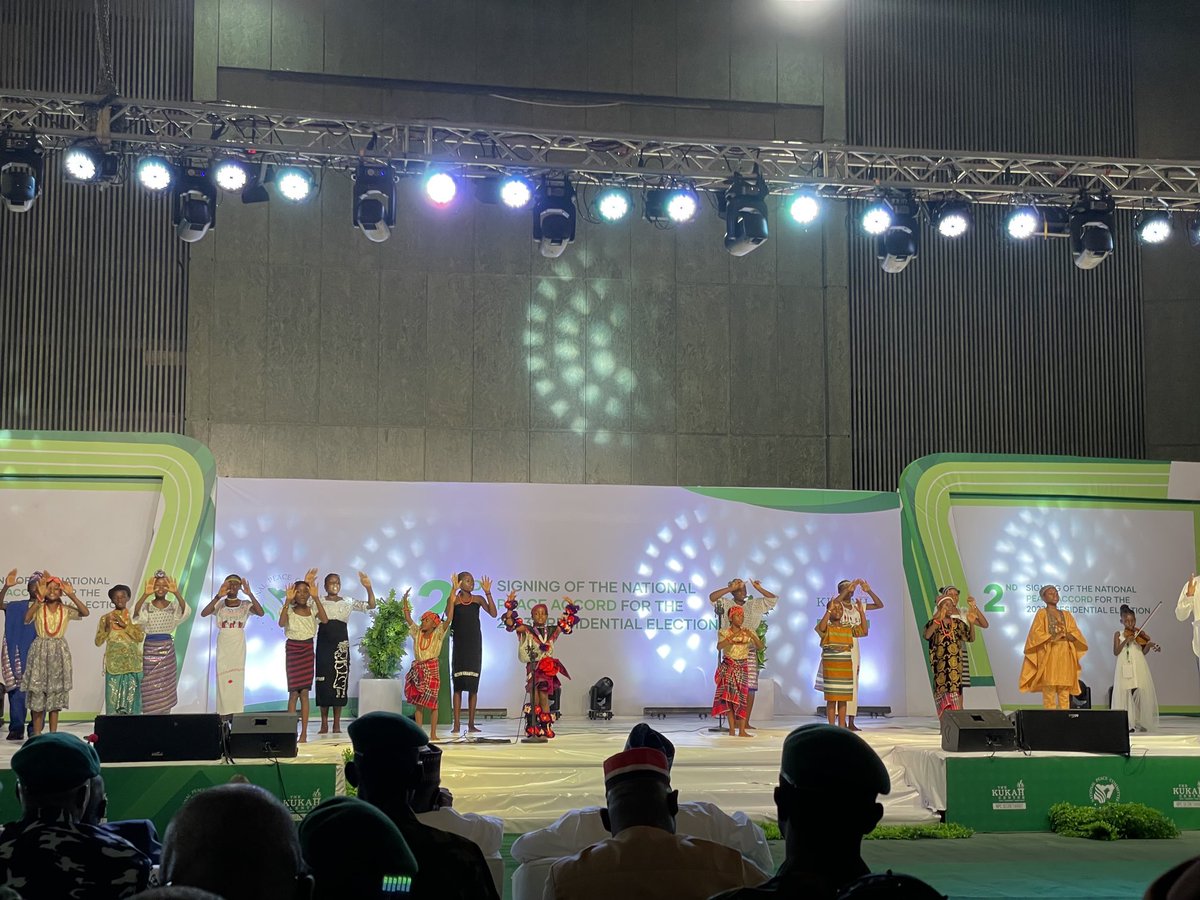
[347, 832]
[827, 758]
[53, 762]
[387, 732]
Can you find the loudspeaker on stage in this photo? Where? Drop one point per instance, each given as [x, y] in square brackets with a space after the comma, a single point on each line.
[977, 731]
[1075, 730]
[170, 738]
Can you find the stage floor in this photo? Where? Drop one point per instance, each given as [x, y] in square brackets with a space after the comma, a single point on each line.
[530, 785]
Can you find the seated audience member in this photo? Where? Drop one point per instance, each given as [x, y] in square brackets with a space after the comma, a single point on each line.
[645, 858]
[201, 848]
[50, 852]
[353, 850]
[175, 892]
[1180, 883]
[827, 799]
[139, 832]
[538, 850]
[433, 805]
[386, 768]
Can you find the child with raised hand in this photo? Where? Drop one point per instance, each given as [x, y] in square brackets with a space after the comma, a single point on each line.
[299, 617]
[423, 682]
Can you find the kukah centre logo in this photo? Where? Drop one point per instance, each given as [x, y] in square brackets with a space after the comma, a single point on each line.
[1186, 796]
[1005, 797]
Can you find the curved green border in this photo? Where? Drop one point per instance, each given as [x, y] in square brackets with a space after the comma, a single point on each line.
[804, 499]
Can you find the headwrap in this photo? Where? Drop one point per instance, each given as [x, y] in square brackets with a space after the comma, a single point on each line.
[428, 615]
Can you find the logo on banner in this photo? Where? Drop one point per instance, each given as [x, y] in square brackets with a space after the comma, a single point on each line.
[1005, 797]
[1186, 796]
[1105, 790]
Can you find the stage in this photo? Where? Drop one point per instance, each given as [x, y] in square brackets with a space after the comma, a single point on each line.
[530, 785]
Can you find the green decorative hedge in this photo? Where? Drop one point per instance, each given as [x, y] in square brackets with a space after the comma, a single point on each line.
[1111, 822]
[929, 831]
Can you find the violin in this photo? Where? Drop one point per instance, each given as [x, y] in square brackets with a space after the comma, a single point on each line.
[1140, 638]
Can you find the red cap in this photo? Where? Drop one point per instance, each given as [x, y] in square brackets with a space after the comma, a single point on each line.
[636, 763]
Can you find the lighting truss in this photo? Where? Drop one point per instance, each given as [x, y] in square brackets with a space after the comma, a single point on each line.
[331, 142]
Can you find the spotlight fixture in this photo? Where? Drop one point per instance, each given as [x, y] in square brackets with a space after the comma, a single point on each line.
[600, 699]
[1193, 230]
[21, 171]
[805, 207]
[554, 216]
[900, 242]
[87, 163]
[1022, 222]
[231, 174]
[440, 188]
[194, 203]
[1153, 227]
[952, 218]
[375, 201]
[294, 184]
[877, 218]
[515, 192]
[1091, 229]
[154, 173]
[674, 205]
[613, 204]
[744, 207]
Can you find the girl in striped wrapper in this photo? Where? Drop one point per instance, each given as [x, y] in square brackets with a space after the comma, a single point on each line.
[158, 619]
[299, 617]
[423, 683]
[837, 658]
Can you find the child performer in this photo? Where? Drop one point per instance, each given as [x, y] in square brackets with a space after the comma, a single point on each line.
[159, 619]
[423, 683]
[1053, 649]
[536, 650]
[1133, 688]
[948, 634]
[837, 658]
[299, 618]
[14, 652]
[466, 646]
[232, 612]
[122, 642]
[48, 678]
[732, 697]
[333, 649]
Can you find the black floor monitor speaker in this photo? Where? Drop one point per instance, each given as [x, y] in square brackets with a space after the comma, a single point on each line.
[1074, 730]
[171, 738]
[264, 735]
[977, 731]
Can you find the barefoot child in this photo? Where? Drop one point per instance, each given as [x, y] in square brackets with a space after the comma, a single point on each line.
[333, 648]
[423, 683]
[536, 650]
[299, 617]
[121, 639]
[837, 658]
[732, 697]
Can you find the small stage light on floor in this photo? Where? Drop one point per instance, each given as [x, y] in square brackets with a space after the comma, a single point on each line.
[554, 216]
[1153, 227]
[744, 208]
[194, 203]
[600, 699]
[375, 201]
[154, 173]
[1090, 227]
[294, 184]
[21, 172]
[613, 203]
[805, 207]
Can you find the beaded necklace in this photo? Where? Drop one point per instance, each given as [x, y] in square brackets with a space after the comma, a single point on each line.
[58, 627]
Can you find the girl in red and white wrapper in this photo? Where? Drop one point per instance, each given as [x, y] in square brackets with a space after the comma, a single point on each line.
[536, 650]
[423, 683]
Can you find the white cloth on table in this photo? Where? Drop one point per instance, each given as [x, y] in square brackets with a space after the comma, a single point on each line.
[1190, 606]
[485, 832]
[340, 610]
[1133, 689]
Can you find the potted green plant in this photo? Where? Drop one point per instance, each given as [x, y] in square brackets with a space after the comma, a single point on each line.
[383, 646]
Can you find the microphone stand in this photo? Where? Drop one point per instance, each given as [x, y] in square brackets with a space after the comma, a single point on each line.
[720, 727]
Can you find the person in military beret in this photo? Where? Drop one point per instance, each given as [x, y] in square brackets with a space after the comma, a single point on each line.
[385, 770]
[50, 852]
[377, 858]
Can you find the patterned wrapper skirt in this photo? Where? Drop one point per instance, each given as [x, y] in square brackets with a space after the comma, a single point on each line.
[47, 678]
[837, 674]
[423, 683]
[159, 674]
[333, 663]
[539, 678]
[300, 664]
[948, 700]
[123, 694]
[733, 693]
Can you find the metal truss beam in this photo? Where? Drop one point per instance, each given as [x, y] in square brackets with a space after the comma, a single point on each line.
[278, 136]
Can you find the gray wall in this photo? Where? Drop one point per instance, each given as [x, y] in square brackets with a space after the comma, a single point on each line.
[455, 351]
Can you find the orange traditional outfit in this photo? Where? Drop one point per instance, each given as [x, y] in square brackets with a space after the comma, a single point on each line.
[1052, 664]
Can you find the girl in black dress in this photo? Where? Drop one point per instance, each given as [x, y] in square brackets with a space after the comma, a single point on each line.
[466, 648]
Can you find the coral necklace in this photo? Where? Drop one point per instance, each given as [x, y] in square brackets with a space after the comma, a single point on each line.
[58, 625]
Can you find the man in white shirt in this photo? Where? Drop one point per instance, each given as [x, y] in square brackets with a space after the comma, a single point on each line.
[1187, 606]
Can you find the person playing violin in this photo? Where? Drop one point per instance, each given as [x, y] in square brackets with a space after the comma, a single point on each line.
[1133, 687]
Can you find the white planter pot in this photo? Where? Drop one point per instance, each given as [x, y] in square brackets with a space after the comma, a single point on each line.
[380, 694]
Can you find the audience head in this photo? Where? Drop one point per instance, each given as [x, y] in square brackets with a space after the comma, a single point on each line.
[637, 789]
[55, 774]
[196, 849]
[356, 867]
[889, 886]
[643, 735]
[1179, 883]
[849, 802]
[97, 804]
[386, 762]
[427, 794]
[175, 892]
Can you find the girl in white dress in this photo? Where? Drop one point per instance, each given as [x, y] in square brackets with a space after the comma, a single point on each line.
[232, 613]
[1133, 688]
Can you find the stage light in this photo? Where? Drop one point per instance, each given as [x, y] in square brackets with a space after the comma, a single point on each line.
[294, 184]
[682, 204]
[804, 207]
[744, 207]
[952, 218]
[1153, 227]
[154, 173]
[1090, 229]
[877, 218]
[899, 244]
[81, 164]
[516, 192]
[613, 204]
[194, 205]
[231, 174]
[21, 171]
[440, 188]
[600, 699]
[554, 216]
[1022, 222]
[375, 201]
[1193, 230]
